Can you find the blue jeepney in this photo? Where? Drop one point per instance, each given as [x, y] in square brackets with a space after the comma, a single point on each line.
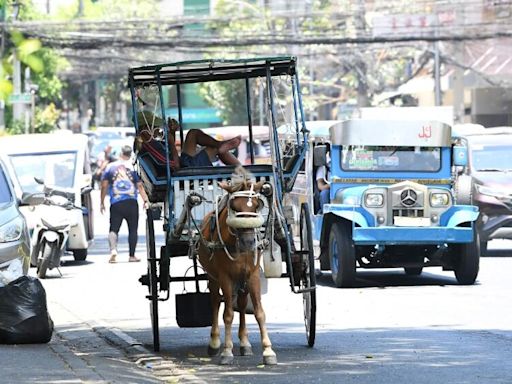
[393, 199]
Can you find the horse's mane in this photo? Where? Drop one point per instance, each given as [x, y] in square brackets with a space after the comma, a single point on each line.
[241, 178]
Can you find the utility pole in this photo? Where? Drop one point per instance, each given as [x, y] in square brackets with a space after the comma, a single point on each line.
[437, 63]
[17, 108]
[458, 76]
[360, 66]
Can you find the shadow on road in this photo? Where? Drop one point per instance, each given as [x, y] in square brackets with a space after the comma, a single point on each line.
[356, 355]
[390, 278]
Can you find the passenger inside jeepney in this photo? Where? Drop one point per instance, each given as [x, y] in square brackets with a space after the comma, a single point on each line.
[198, 150]
[322, 184]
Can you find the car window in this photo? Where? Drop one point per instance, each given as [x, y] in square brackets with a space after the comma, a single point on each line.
[57, 169]
[492, 157]
[5, 192]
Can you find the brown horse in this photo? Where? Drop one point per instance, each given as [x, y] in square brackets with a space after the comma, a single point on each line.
[230, 254]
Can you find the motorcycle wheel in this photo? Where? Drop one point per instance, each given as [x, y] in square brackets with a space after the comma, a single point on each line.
[48, 249]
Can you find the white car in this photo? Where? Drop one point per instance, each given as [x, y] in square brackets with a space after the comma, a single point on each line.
[61, 160]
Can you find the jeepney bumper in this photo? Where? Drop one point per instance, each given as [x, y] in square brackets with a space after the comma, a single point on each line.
[411, 236]
[456, 225]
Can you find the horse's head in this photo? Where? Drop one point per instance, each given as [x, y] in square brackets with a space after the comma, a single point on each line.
[245, 203]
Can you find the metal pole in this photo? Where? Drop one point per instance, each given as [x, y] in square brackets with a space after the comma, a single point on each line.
[249, 117]
[437, 74]
[17, 107]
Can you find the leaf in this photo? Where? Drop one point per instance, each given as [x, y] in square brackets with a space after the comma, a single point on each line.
[29, 46]
[35, 63]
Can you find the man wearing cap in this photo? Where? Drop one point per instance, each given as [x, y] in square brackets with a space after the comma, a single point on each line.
[123, 185]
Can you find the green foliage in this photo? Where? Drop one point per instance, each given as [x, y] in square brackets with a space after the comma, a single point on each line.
[50, 86]
[114, 9]
[226, 96]
[46, 118]
[17, 127]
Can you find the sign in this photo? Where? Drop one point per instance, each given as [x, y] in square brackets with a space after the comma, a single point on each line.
[20, 98]
[196, 115]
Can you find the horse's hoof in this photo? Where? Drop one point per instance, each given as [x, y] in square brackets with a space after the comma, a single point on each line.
[227, 360]
[246, 351]
[213, 351]
[270, 360]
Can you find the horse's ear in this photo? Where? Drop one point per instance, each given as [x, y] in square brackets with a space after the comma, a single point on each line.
[258, 185]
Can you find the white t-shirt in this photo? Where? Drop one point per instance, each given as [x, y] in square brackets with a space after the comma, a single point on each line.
[320, 174]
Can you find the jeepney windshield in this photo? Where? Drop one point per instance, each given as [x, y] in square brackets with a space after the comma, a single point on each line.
[390, 159]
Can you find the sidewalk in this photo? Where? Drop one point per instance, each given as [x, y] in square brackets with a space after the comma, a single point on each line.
[77, 354]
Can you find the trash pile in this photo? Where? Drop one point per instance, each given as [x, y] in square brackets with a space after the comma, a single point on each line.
[24, 317]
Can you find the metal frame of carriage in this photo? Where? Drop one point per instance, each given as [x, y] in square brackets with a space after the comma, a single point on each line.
[186, 189]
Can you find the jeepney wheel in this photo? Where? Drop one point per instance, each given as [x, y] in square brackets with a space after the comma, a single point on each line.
[153, 278]
[308, 277]
[467, 262]
[342, 255]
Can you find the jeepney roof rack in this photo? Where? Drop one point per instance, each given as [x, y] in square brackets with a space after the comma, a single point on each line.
[197, 71]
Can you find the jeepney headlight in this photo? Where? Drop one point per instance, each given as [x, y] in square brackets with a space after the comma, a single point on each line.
[439, 199]
[374, 199]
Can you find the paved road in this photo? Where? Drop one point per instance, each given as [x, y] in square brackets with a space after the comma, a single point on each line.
[392, 328]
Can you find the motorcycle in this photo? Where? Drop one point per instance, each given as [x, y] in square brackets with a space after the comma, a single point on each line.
[58, 216]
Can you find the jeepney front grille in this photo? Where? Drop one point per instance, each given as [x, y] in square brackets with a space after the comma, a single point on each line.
[408, 212]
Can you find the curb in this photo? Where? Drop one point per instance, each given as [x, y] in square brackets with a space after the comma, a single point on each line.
[163, 369]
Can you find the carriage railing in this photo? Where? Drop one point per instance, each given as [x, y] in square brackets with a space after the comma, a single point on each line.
[208, 189]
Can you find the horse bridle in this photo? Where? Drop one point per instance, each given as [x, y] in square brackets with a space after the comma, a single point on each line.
[241, 220]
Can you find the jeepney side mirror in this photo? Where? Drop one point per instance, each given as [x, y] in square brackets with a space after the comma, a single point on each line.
[320, 155]
[460, 156]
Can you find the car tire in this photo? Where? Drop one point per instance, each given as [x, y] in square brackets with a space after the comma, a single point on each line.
[342, 255]
[80, 254]
[483, 248]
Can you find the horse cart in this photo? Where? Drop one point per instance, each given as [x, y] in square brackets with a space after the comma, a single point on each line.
[234, 223]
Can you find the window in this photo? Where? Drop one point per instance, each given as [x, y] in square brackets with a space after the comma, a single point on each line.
[395, 159]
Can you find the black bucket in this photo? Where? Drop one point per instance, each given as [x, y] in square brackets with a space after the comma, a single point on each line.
[193, 310]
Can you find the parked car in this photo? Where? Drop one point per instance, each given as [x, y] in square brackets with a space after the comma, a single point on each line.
[490, 169]
[14, 236]
[61, 161]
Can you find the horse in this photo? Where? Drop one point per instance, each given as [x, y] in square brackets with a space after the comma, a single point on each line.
[233, 263]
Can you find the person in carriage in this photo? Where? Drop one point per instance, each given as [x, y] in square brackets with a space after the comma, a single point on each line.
[198, 150]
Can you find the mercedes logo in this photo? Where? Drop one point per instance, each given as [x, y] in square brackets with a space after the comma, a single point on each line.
[408, 197]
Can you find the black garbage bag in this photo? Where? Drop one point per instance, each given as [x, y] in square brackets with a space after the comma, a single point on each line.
[24, 317]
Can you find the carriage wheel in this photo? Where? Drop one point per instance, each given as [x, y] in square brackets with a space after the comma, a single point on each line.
[308, 278]
[153, 278]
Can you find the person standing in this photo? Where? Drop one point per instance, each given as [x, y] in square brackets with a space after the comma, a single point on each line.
[123, 186]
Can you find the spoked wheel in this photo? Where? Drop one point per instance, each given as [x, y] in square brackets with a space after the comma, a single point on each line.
[308, 278]
[153, 278]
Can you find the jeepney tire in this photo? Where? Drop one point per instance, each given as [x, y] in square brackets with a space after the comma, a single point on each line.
[324, 259]
[464, 190]
[468, 262]
[413, 271]
[342, 255]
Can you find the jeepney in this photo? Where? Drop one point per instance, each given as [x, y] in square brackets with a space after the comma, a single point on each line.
[393, 199]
